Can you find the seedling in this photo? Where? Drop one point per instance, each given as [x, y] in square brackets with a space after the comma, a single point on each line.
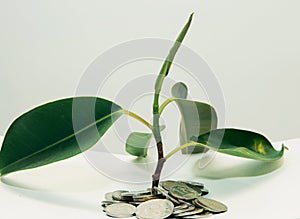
[64, 128]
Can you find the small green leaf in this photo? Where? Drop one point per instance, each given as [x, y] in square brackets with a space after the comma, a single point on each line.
[241, 143]
[179, 90]
[137, 143]
[56, 131]
[196, 118]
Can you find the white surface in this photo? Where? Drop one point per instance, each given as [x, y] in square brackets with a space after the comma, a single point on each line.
[73, 189]
[252, 46]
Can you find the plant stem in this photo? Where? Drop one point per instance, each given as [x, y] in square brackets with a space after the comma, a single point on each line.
[156, 109]
[137, 117]
[164, 104]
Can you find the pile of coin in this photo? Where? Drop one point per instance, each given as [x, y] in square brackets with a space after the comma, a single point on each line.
[174, 199]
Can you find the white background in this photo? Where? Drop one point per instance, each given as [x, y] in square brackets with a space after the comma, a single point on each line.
[252, 47]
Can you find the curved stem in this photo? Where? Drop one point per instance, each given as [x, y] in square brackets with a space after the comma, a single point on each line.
[174, 151]
[137, 117]
[164, 104]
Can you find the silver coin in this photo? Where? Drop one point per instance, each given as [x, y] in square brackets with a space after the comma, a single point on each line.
[181, 206]
[109, 202]
[168, 184]
[189, 213]
[120, 210]
[200, 185]
[165, 193]
[137, 193]
[204, 192]
[155, 209]
[194, 185]
[143, 198]
[135, 203]
[108, 196]
[117, 195]
[189, 208]
[210, 204]
[183, 192]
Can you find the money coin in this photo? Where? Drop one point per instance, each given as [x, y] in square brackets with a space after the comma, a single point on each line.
[164, 193]
[210, 204]
[188, 209]
[183, 192]
[189, 213]
[120, 210]
[109, 202]
[108, 196]
[135, 203]
[193, 183]
[168, 184]
[198, 187]
[204, 192]
[143, 198]
[155, 209]
[181, 206]
[117, 195]
[137, 193]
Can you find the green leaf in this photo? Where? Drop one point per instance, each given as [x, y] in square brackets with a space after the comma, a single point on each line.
[179, 90]
[137, 143]
[168, 61]
[56, 131]
[196, 118]
[241, 143]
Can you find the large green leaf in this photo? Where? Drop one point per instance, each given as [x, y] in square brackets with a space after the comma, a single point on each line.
[137, 143]
[241, 143]
[196, 117]
[56, 131]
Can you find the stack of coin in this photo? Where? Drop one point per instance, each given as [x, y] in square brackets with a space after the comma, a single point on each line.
[174, 199]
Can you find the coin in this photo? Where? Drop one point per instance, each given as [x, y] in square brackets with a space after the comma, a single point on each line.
[135, 203]
[143, 198]
[108, 196]
[198, 184]
[198, 187]
[210, 204]
[120, 210]
[181, 206]
[183, 192]
[117, 195]
[109, 202]
[204, 192]
[154, 209]
[189, 208]
[137, 193]
[162, 191]
[168, 184]
[188, 213]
